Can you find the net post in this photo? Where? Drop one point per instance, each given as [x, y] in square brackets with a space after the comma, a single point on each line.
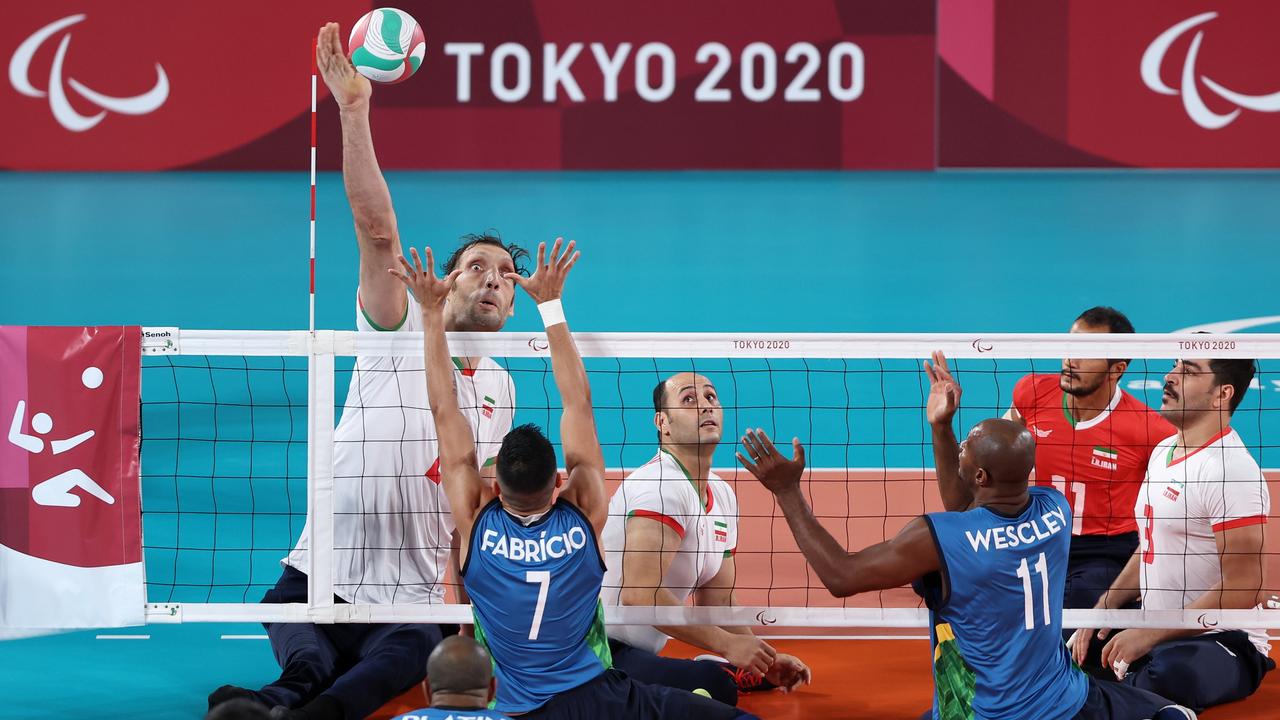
[320, 415]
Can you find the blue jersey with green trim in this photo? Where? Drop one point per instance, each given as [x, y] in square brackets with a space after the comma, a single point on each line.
[996, 613]
[535, 593]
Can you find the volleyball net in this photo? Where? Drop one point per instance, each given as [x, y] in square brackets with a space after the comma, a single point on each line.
[238, 445]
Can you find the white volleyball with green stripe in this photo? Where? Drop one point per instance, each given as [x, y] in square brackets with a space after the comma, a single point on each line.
[387, 45]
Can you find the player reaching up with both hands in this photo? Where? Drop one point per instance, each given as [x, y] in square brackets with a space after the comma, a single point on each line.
[531, 559]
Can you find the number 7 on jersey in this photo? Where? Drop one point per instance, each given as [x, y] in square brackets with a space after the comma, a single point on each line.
[543, 578]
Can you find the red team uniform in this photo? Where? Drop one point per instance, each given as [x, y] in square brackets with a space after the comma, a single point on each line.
[1099, 464]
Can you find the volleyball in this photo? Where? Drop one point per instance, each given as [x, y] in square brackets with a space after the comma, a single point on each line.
[387, 45]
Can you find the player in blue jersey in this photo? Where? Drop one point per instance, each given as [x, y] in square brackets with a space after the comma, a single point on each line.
[460, 674]
[531, 559]
[992, 574]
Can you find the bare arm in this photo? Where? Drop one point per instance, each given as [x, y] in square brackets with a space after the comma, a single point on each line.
[1240, 555]
[944, 400]
[650, 547]
[788, 671]
[583, 460]
[891, 564]
[459, 474]
[381, 296]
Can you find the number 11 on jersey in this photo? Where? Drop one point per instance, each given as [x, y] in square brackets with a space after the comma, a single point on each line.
[1024, 572]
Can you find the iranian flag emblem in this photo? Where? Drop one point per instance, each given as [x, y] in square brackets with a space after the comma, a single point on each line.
[722, 531]
[487, 406]
[1105, 457]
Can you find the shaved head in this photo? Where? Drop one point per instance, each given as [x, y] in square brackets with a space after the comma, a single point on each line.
[1003, 448]
[458, 665]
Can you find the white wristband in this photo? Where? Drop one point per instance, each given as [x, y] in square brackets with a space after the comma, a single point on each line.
[552, 312]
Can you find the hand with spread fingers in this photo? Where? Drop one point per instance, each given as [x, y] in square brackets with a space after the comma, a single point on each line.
[429, 290]
[775, 471]
[547, 281]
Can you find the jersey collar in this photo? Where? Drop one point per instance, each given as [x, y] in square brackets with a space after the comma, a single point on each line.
[462, 367]
[1170, 462]
[1086, 424]
[709, 501]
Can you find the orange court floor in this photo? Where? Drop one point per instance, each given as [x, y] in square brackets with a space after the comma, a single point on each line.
[857, 678]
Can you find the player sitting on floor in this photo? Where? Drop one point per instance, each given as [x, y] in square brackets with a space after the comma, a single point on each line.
[672, 530]
[1093, 440]
[531, 561]
[991, 574]
[1202, 510]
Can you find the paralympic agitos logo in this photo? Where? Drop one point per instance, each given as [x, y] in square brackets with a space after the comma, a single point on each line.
[1188, 88]
[66, 115]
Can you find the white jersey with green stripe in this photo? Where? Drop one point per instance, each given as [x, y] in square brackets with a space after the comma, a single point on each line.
[662, 491]
[392, 525]
[1184, 503]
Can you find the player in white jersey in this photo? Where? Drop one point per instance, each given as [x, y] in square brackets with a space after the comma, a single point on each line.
[1201, 513]
[671, 535]
[392, 527]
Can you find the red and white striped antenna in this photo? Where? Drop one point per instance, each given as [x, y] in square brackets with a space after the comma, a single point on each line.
[311, 324]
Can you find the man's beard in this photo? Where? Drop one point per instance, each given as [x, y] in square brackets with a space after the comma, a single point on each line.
[1074, 386]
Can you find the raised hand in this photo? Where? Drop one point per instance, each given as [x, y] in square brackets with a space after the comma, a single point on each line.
[349, 87]
[429, 290]
[547, 281]
[770, 467]
[944, 391]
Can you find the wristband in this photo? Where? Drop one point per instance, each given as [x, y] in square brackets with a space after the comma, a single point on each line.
[552, 312]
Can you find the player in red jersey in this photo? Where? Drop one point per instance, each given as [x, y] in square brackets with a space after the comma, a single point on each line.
[1093, 441]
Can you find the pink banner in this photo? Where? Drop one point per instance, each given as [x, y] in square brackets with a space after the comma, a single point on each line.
[505, 84]
[70, 511]
[1097, 83]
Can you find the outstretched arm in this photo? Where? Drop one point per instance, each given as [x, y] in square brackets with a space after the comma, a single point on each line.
[381, 296]
[944, 399]
[459, 473]
[583, 459]
[886, 565]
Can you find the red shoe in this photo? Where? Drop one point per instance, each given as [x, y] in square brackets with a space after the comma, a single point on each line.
[746, 680]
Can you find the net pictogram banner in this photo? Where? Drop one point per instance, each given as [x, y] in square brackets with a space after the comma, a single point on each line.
[70, 511]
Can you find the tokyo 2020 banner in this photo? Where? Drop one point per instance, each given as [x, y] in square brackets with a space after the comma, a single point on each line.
[1139, 83]
[668, 84]
[530, 84]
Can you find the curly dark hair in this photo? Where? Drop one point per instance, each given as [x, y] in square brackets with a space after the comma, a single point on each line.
[488, 237]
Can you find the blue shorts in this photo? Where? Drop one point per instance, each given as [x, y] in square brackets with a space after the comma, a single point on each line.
[1203, 670]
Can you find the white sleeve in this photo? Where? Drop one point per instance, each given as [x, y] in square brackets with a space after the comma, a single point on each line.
[645, 498]
[1234, 493]
[411, 321]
